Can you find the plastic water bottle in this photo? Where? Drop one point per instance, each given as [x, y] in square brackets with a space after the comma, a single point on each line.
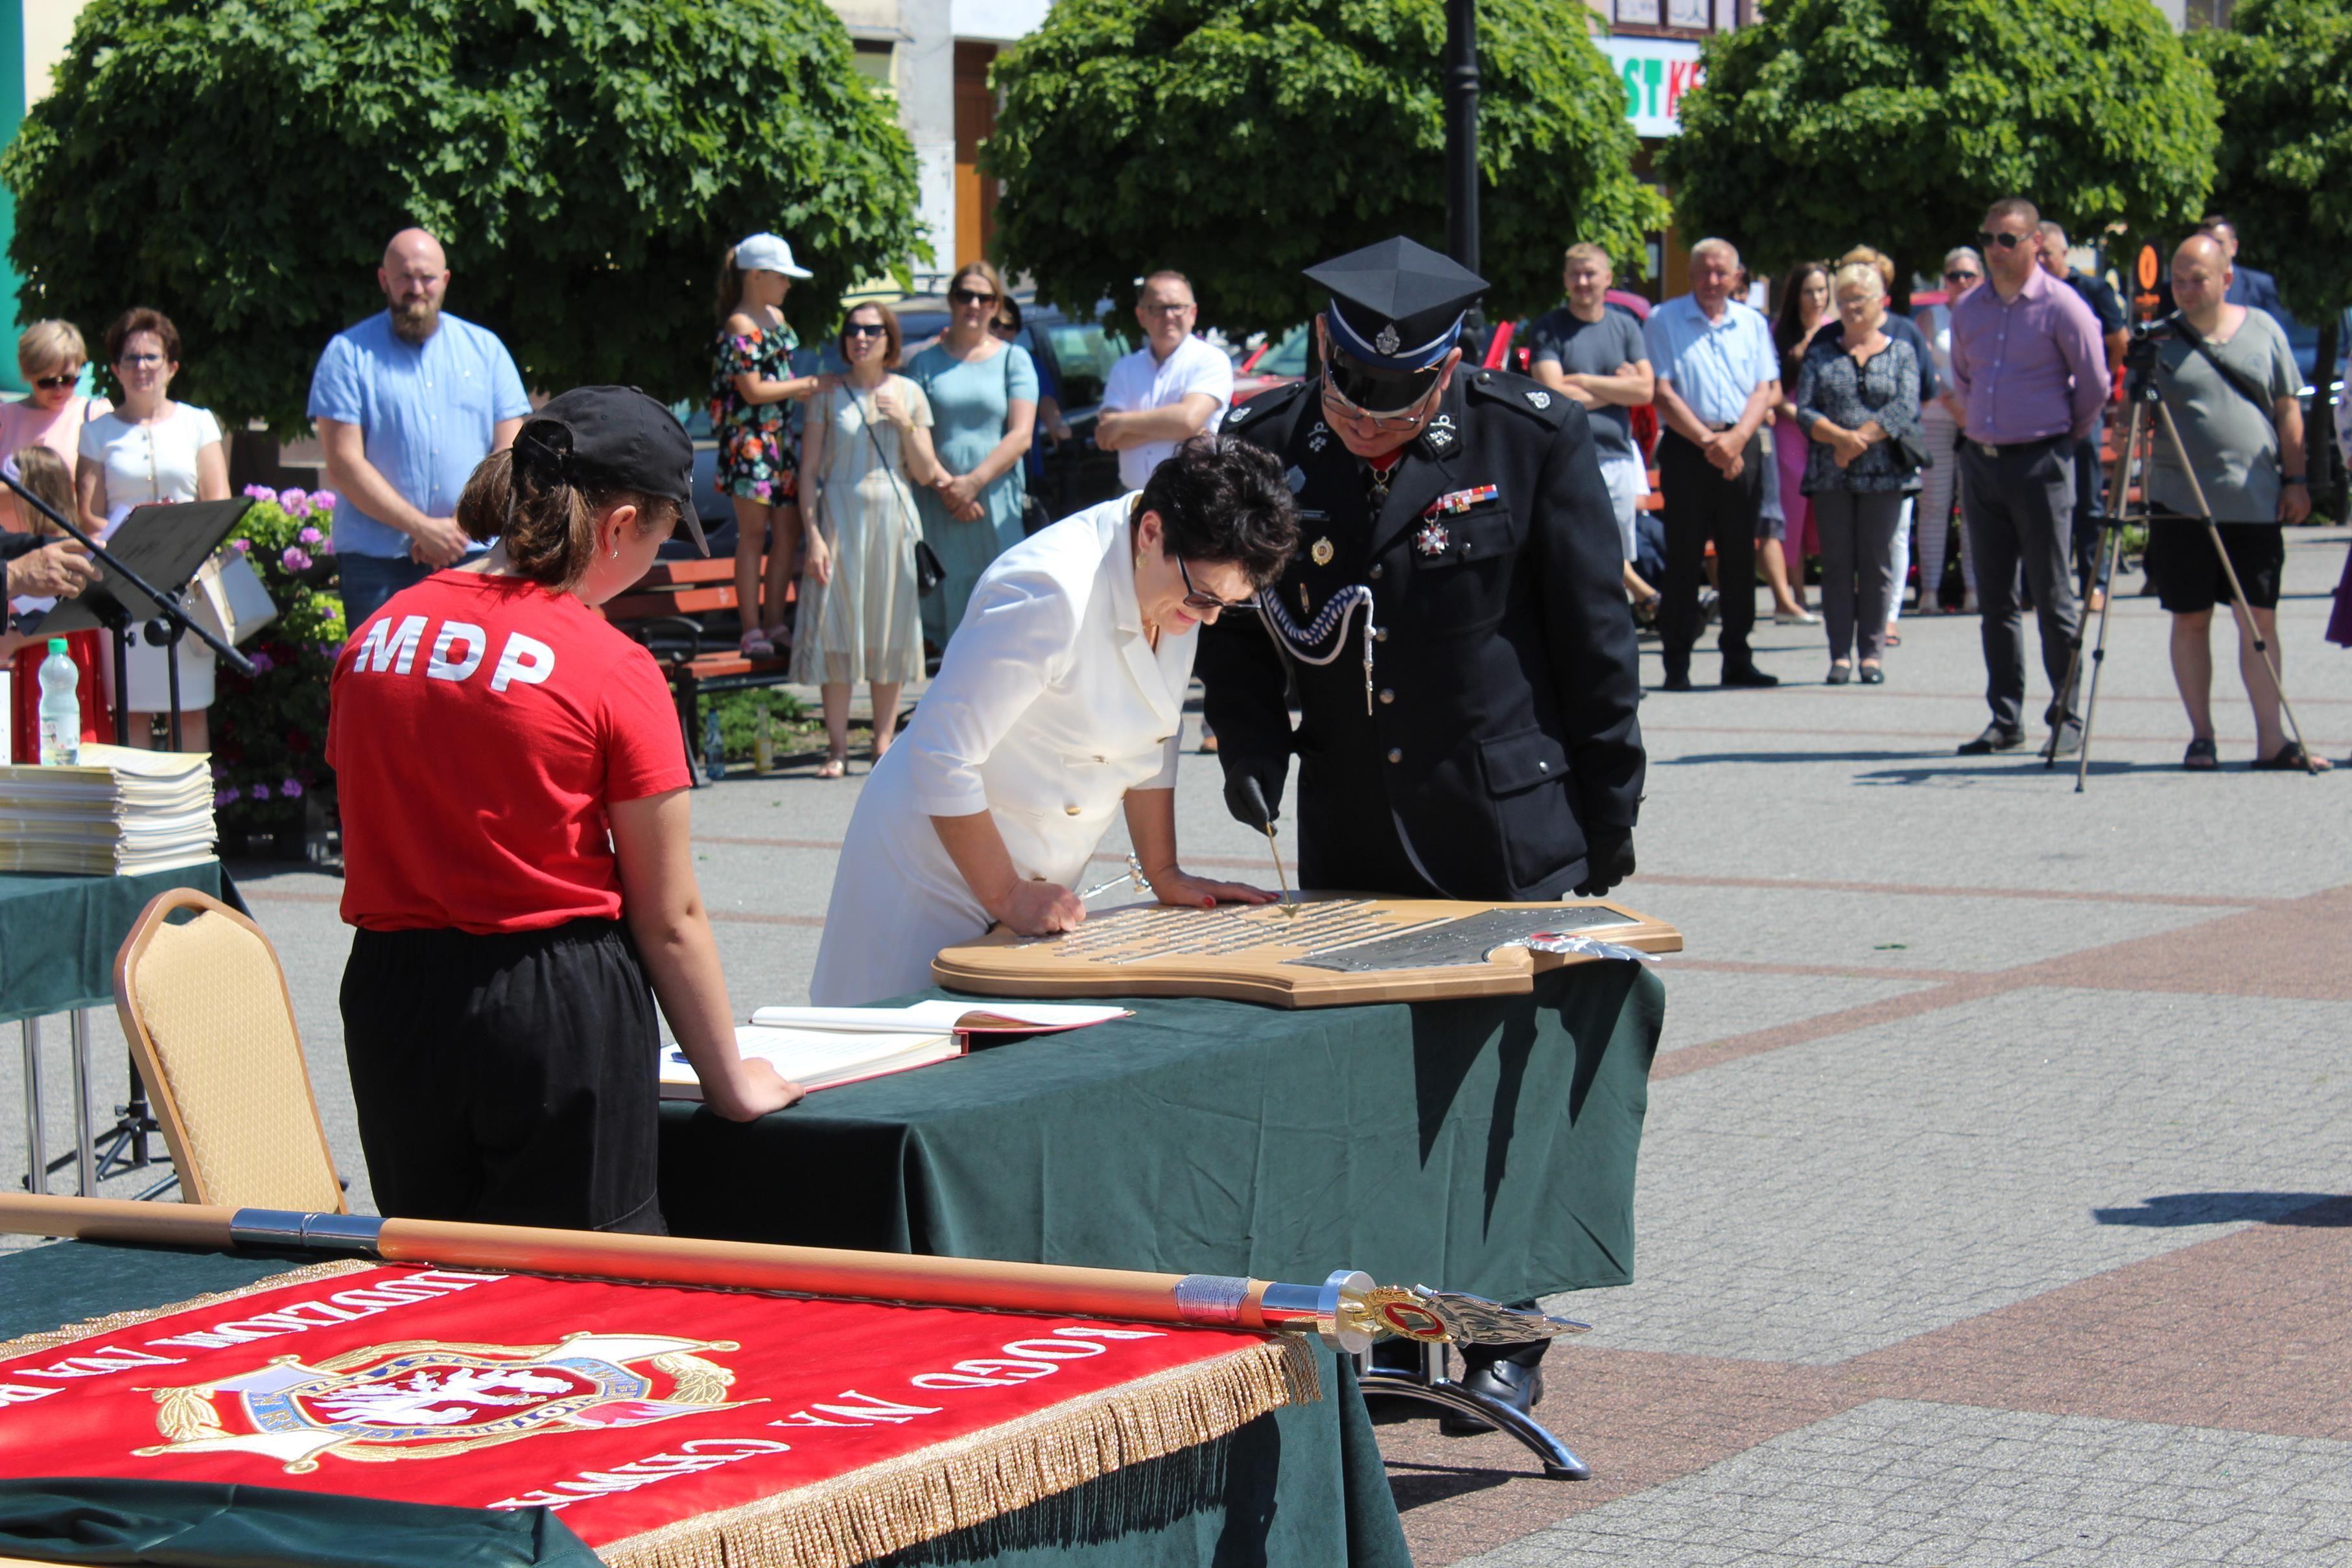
[714, 750]
[60, 709]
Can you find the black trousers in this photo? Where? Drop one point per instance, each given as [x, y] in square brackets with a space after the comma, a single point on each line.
[1700, 505]
[511, 1079]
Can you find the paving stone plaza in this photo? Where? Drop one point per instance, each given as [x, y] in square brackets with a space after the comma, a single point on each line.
[1995, 1206]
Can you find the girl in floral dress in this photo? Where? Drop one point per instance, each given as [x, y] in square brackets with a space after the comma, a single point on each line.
[752, 383]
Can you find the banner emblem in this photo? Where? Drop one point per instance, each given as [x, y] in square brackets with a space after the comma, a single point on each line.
[427, 1399]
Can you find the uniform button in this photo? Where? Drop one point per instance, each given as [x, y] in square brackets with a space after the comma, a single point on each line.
[1379, 634]
[1395, 754]
[1543, 766]
[1375, 572]
[1069, 811]
[1387, 696]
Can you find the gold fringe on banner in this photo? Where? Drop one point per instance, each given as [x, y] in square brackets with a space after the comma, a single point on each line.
[114, 1323]
[971, 1479]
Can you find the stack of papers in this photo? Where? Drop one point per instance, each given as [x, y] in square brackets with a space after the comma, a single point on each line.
[823, 1048]
[119, 812]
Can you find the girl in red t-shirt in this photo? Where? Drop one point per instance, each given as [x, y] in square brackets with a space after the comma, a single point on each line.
[515, 821]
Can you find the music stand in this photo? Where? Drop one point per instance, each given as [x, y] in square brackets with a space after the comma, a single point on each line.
[163, 543]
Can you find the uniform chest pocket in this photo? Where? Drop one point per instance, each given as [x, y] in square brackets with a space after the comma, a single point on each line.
[1461, 567]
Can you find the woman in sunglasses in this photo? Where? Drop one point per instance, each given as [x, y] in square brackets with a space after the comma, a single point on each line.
[1061, 700]
[866, 447]
[983, 396]
[50, 354]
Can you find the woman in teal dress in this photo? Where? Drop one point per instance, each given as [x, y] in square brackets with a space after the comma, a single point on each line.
[983, 398]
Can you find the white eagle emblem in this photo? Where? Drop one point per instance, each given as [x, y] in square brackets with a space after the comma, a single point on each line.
[1388, 341]
[1541, 399]
[421, 1400]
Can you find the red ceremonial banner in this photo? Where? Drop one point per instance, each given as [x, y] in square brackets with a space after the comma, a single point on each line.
[662, 1423]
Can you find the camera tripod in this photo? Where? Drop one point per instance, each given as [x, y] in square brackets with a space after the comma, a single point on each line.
[2151, 418]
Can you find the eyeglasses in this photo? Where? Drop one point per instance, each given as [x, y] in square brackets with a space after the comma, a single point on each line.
[2006, 242]
[971, 297]
[1958, 275]
[54, 383]
[1151, 309]
[1202, 603]
[141, 360]
[1361, 416]
[864, 329]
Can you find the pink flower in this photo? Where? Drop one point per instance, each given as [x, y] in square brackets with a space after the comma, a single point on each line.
[261, 492]
[291, 788]
[228, 797]
[325, 546]
[309, 536]
[294, 557]
[291, 499]
[260, 791]
[324, 500]
[242, 547]
[262, 663]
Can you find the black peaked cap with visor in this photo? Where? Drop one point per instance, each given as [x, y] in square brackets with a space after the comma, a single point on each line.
[1396, 311]
[618, 436]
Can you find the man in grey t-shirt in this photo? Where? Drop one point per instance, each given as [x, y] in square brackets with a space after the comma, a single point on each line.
[1593, 353]
[2241, 420]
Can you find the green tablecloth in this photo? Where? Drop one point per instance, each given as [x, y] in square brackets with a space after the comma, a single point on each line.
[1304, 1485]
[1483, 1145]
[58, 935]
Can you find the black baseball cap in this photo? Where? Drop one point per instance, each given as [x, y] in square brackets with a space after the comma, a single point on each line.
[620, 436]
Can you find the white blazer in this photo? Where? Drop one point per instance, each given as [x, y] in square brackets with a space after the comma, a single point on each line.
[1050, 706]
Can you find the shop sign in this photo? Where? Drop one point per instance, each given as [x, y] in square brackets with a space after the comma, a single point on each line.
[1656, 73]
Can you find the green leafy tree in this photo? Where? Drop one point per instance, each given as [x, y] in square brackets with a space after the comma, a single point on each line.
[1239, 142]
[240, 164]
[1897, 122]
[2283, 70]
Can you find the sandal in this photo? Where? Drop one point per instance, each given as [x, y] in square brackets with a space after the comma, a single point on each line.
[2290, 758]
[835, 766]
[2201, 757]
[755, 644]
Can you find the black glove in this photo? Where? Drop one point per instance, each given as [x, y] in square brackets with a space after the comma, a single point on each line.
[1608, 859]
[1254, 788]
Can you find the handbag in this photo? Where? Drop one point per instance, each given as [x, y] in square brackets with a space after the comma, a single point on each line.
[1913, 451]
[929, 572]
[230, 601]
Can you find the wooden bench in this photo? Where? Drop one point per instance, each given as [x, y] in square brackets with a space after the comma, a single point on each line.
[665, 612]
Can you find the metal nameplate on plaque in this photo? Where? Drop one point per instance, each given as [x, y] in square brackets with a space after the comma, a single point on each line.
[1451, 944]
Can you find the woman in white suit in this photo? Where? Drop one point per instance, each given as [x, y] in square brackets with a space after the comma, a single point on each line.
[1061, 700]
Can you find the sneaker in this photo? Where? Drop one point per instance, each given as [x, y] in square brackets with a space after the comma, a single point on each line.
[2065, 741]
[1795, 618]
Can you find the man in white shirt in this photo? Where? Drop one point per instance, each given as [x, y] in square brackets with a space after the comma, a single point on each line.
[1170, 390]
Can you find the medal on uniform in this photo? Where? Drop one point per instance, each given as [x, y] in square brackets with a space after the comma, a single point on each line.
[1432, 538]
[1321, 553]
[1306, 607]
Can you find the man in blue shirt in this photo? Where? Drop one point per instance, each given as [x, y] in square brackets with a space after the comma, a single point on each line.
[408, 403]
[2248, 286]
[1718, 379]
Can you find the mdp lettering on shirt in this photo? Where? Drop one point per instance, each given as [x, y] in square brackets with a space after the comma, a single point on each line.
[456, 653]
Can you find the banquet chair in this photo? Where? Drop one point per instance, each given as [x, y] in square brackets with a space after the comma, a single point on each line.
[205, 1006]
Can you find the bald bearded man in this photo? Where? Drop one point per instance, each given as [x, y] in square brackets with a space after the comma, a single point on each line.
[408, 402]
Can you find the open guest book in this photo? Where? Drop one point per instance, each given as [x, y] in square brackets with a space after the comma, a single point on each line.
[824, 1048]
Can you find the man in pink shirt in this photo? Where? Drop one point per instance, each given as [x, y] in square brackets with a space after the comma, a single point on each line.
[2030, 370]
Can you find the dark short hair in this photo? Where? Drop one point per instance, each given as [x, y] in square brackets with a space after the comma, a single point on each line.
[893, 339]
[2216, 221]
[1220, 500]
[141, 318]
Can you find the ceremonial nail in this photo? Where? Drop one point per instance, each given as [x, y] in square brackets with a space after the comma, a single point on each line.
[1208, 904]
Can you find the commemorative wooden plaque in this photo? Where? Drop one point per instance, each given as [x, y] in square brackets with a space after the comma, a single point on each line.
[1328, 950]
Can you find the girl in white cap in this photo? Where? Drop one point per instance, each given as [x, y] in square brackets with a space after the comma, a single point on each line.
[751, 382]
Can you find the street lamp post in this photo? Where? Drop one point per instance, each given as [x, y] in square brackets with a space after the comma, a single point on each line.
[1461, 131]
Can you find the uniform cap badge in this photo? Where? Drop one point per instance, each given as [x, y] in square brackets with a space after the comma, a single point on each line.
[1433, 539]
[1387, 341]
[1541, 399]
[1321, 553]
